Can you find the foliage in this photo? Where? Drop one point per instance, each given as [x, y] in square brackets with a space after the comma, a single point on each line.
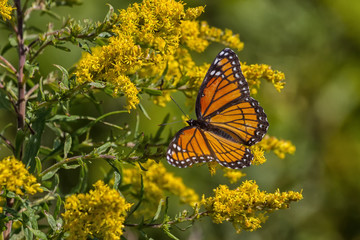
[144, 50]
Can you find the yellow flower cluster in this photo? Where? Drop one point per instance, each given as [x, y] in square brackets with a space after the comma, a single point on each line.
[151, 39]
[97, 214]
[254, 72]
[15, 177]
[157, 183]
[278, 146]
[246, 206]
[5, 10]
[259, 157]
[111, 63]
[233, 175]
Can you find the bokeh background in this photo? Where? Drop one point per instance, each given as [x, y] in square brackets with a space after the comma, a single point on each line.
[317, 45]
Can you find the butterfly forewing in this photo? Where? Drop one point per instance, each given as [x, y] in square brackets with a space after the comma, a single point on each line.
[188, 147]
[222, 84]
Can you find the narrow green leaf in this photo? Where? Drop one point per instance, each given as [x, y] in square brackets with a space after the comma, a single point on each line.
[141, 107]
[167, 231]
[158, 211]
[38, 233]
[33, 145]
[58, 206]
[19, 140]
[49, 175]
[7, 47]
[67, 144]
[51, 221]
[104, 147]
[82, 181]
[161, 128]
[38, 165]
[65, 75]
[117, 182]
[4, 101]
[27, 233]
[110, 13]
[140, 198]
[153, 92]
[97, 84]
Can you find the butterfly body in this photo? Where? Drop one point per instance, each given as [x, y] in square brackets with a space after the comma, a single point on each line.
[228, 119]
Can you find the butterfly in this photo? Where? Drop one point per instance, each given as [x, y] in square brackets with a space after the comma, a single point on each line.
[228, 119]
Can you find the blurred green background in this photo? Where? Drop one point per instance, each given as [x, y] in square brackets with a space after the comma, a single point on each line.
[317, 45]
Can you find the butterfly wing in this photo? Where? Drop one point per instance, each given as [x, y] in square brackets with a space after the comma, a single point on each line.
[228, 153]
[194, 145]
[223, 83]
[245, 121]
[189, 146]
[224, 101]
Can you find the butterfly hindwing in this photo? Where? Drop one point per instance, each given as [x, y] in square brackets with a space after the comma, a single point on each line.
[245, 121]
[188, 147]
[229, 153]
[223, 83]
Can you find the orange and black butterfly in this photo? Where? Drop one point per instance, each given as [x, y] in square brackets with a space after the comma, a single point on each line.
[228, 121]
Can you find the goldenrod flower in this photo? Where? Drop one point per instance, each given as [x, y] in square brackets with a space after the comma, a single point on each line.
[254, 72]
[15, 177]
[97, 214]
[158, 182]
[259, 157]
[278, 146]
[246, 207]
[5, 10]
[233, 175]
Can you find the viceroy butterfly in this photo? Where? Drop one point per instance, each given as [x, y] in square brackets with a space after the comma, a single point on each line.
[228, 119]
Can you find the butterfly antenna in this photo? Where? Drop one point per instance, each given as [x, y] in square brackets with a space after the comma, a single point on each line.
[179, 107]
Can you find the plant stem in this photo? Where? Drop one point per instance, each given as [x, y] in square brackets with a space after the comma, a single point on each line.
[73, 159]
[21, 104]
[159, 225]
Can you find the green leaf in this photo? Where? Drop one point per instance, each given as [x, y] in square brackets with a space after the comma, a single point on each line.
[161, 128]
[38, 165]
[49, 175]
[140, 198]
[51, 14]
[7, 47]
[158, 211]
[104, 147]
[19, 140]
[141, 107]
[153, 92]
[66, 49]
[97, 84]
[51, 221]
[110, 13]
[82, 181]
[65, 75]
[58, 206]
[28, 234]
[38, 233]
[4, 101]
[31, 68]
[167, 231]
[117, 182]
[41, 94]
[33, 145]
[67, 144]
